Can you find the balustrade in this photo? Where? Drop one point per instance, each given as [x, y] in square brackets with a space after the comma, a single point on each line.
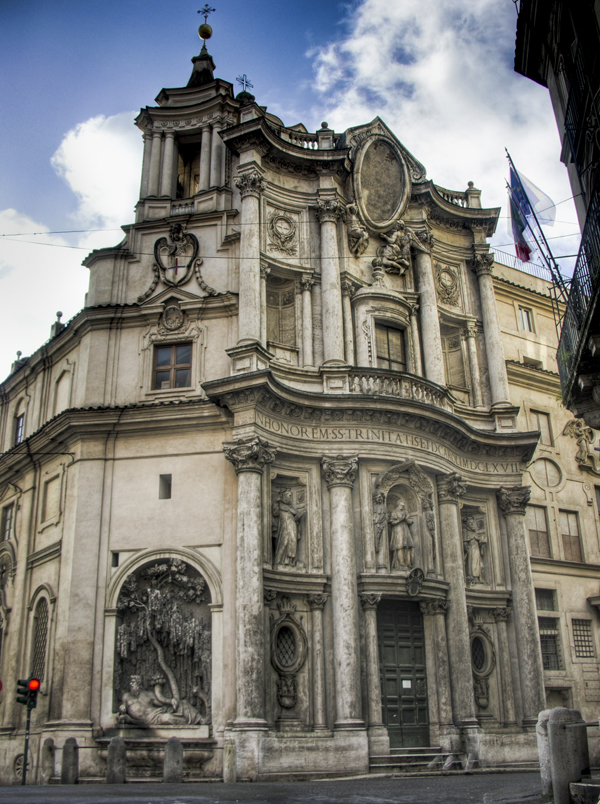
[400, 386]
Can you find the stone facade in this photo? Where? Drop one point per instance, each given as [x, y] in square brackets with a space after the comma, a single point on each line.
[270, 491]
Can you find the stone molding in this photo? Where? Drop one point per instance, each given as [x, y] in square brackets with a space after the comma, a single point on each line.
[437, 606]
[249, 454]
[370, 600]
[340, 471]
[317, 601]
[329, 209]
[513, 500]
[450, 488]
[251, 183]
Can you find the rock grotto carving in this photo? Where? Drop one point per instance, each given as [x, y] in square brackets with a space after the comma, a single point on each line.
[286, 527]
[282, 230]
[289, 648]
[175, 256]
[163, 647]
[358, 237]
[402, 545]
[474, 539]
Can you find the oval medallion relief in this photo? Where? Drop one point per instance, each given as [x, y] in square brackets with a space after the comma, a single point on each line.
[381, 183]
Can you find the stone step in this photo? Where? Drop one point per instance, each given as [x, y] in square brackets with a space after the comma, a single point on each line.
[427, 749]
[587, 792]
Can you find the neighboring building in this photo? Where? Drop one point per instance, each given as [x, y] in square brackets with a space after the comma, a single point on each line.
[272, 490]
[557, 46]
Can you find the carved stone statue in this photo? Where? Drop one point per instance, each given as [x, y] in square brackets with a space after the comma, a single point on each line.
[358, 237]
[402, 545]
[584, 438]
[151, 708]
[395, 255]
[380, 518]
[286, 518]
[473, 541]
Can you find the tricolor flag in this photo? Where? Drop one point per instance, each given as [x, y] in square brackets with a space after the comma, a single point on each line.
[529, 206]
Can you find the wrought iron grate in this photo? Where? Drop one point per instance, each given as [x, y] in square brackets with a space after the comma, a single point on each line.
[41, 637]
[478, 654]
[286, 647]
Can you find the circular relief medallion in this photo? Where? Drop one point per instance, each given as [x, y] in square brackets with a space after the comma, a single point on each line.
[547, 473]
[173, 318]
[381, 182]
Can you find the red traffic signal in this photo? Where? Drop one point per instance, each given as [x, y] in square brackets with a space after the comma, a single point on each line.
[27, 691]
[33, 684]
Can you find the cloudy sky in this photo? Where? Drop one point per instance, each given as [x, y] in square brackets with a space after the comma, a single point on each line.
[73, 76]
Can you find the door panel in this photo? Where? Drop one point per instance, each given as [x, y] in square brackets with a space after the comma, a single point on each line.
[403, 673]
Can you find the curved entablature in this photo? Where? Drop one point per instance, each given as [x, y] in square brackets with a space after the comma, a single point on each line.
[445, 209]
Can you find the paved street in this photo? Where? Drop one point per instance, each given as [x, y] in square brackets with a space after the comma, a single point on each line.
[509, 788]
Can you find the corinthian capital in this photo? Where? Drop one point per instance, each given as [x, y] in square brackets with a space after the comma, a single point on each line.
[501, 613]
[340, 471]
[482, 263]
[329, 209]
[369, 600]
[513, 500]
[450, 487]
[436, 606]
[250, 184]
[316, 600]
[249, 454]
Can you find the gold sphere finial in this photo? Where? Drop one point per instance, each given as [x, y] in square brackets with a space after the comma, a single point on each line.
[205, 31]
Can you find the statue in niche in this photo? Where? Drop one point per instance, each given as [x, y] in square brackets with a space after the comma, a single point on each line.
[163, 647]
[358, 237]
[402, 545]
[380, 518]
[394, 257]
[286, 527]
[473, 541]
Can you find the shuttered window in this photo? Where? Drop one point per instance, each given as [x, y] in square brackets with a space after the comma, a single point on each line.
[390, 348]
[569, 528]
[538, 531]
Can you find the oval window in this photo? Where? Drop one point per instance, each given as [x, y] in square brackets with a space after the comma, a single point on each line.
[286, 647]
[478, 654]
[547, 473]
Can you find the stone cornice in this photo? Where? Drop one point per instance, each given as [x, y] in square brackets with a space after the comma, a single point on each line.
[533, 378]
[444, 213]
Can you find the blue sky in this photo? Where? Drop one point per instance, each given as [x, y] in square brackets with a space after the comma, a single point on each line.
[74, 74]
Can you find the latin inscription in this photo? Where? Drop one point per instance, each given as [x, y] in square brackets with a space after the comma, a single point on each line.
[383, 435]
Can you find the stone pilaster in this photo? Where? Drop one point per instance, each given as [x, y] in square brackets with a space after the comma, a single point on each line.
[204, 180]
[501, 615]
[430, 320]
[154, 174]
[471, 338]
[329, 210]
[216, 158]
[250, 186]
[417, 366]
[249, 456]
[166, 181]
[340, 474]
[379, 741]
[482, 265]
[264, 273]
[451, 488]
[513, 503]
[306, 284]
[146, 162]
[436, 609]
[347, 293]
[317, 603]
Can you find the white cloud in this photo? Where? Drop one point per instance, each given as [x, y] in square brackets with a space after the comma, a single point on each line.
[440, 73]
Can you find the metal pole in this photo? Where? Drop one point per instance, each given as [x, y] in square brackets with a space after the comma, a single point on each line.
[24, 777]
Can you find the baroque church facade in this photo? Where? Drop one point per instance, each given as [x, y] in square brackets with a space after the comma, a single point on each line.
[275, 489]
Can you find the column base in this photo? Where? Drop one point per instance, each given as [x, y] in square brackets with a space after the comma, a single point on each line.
[348, 725]
[248, 356]
[249, 724]
[335, 377]
[379, 741]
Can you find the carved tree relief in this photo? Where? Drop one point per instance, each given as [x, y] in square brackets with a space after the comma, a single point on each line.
[162, 674]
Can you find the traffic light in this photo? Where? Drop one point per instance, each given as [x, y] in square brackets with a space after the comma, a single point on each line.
[27, 691]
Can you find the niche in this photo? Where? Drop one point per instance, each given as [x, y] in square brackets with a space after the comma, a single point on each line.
[475, 546]
[289, 537]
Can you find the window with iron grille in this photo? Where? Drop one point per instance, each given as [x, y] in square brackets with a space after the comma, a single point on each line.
[40, 639]
[544, 600]
[583, 639]
[6, 526]
[550, 642]
[286, 647]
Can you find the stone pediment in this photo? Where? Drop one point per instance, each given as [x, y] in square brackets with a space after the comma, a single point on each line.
[352, 138]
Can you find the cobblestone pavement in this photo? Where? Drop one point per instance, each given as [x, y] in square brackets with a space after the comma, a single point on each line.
[507, 788]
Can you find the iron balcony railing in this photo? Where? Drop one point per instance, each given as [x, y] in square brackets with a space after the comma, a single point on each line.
[585, 285]
[582, 118]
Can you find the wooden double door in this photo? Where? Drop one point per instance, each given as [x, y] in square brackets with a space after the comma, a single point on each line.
[403, 673]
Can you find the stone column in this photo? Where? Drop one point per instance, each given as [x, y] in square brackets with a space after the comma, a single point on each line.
[264, 273]
[307, 321]
[146, 163]
[379, 741]
[417, 368]
[482, 265]
[340, 473]
[430, 320]
[204, 159]
[501, 615]
[216, 158]
[248, 457]
[471, 337]
[154, 174]
[250, 186]
[316, 603]
[450, 489]
[437, 609]
[513, 502]
[347, 293]
[166, 184]
[328, 212]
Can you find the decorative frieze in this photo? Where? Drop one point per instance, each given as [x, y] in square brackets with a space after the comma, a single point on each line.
[340, 471]
[249, 454]
[513, 500]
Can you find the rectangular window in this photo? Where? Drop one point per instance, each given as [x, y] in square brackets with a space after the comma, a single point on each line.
[390, 348]
[541, 421]
[164, 487]
[526, 319]
[582, 637]
[538, 531]
[19, 428]
[544, 600]
[549, 639]
[6, 527]
[569, 529]
[173, 366]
